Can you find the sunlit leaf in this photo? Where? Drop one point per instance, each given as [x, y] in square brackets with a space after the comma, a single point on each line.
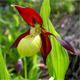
[16, 19]
[4, 75]
[45, 11]
[58, 56]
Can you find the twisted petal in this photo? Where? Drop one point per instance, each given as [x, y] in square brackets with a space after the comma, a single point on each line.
[46, 46]
[64, 43]
[29, 15]
[15, 44]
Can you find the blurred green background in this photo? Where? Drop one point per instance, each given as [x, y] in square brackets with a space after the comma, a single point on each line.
[12, 25]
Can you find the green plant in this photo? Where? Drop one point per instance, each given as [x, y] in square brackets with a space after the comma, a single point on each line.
[57, 57]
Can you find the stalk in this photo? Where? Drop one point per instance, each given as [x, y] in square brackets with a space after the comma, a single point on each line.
[25, 68]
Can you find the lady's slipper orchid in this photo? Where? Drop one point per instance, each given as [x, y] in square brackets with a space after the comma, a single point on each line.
[36, 38]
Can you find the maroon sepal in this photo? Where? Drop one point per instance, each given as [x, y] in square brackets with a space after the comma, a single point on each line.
[29, 15]
[46, 46]
[64, 43]
[15, 44]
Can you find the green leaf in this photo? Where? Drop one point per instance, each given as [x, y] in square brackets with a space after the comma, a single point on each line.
[45, 11]
[57, 60]
[58, 56]
[3, 70]
[16, 19]
[33, 73]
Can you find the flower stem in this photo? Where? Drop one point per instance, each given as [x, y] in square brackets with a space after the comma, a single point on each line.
[25, 68]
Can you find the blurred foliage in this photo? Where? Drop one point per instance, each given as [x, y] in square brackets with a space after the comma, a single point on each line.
[59, 6]
[12, 25]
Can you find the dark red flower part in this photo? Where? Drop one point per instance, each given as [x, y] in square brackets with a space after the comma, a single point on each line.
[15, 44]
[46, 46]
[64, 43]
[29, 15]
[32, 17]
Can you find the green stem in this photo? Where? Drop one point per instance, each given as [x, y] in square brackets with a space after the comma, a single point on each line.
[25, 68]
[5, 57]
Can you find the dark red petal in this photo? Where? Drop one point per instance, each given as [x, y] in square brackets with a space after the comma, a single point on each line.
[15, 44]
[29, 15]
[46, 46]
[46, 32]
[64, 43]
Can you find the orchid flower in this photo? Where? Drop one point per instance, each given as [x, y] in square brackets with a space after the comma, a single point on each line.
[35, 39]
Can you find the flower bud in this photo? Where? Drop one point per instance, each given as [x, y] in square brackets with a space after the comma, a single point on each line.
[19, 66]
[29, 45]
[43, 66]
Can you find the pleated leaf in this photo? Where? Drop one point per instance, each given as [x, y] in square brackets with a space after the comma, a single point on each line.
[57, 60]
